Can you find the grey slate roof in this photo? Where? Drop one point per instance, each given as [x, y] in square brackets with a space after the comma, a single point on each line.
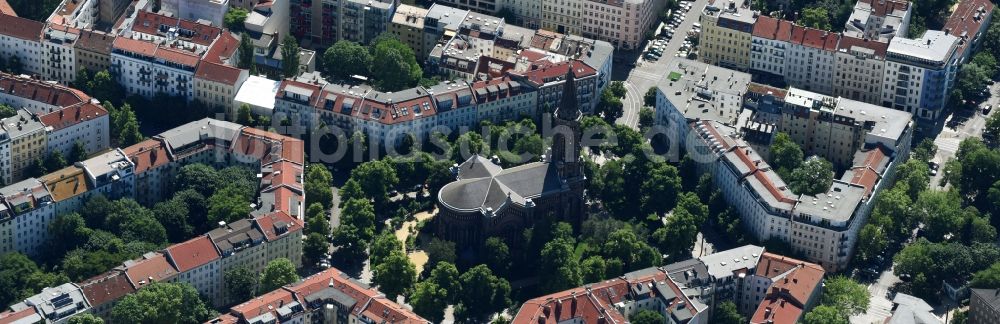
[484, 185]
[912, 310]
[989, 296]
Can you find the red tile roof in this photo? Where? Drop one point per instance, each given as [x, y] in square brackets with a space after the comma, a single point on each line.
[788, 295]
[867, 174]
[772, 28]
[12, 317]
[193, 253]
[883, 7]
[106, 287]
[292, 149]
[223, 48]
[177, 56]
[541, 75]
[846, 42]
[968, 20]
[95, 41]
[815, 38]
[136, 46]
[6, 9]
[370, 302]
[22, 28]
[148, 154]
[73, 115]
[285, 173]
[271, 222]
[593, 303]
[763, 89]
[149, 23]
[44, 92]
[218, 73]
[267, 303]
[153, 269]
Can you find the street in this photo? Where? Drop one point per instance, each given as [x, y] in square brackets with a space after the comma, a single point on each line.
[646, 74]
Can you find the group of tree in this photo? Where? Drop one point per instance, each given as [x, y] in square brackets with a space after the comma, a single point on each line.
[842, 298]
[21, 278]
[243, 284]
[234, 18]
[477, 293]
[226, 192]
[162, 303]
[610, 104]
[34, 10]
[392, 270]
[99, 84]
[391, 64]
[973, 78]
[810, 176]
[928, 264]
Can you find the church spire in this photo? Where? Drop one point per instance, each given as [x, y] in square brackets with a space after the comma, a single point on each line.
[569, 108]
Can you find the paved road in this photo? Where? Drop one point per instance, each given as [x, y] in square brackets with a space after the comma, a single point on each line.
[647, 73]
[880, 307]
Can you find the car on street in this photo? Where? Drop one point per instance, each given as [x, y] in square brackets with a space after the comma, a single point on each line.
[987, 109]
[933, 167]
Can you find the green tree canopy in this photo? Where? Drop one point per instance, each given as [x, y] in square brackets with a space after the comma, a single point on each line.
[786, 155]
[21, 278]
[824, 314]
[394, 66]
[289, 57]
[85, 318]
[314, 247]
[429, 301]
[241, 284]
[846, 295]
[988, 278]
[482, 294]
[277, 273]
[816, 17]
[813, 177]
[645, 316]
[497, 255]
[726, 313]
[346, 58]
[395, 275]
[234, 18]
[317, 186]
[162, 303]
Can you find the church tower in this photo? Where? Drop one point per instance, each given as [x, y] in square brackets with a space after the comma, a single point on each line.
[566, 147]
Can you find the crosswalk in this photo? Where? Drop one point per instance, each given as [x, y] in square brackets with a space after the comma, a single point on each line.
[879, 308]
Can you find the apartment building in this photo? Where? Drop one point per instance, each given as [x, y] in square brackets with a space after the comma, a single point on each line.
[766, 287]
[19, 44]
[93, 50]
[695, 91]
[104, 290]
[52, 305]
[622, 23]
[859, 69]
[323, 23]
[919, 73]
[59, 53]
[879, 20]
[84, 123]
[984, 307]
[38, 97]
[727, 34]
[329, 296]
[480, 6]
[562, 16]
[969, 22]
[810, 61]
[546, 80]
[408, 25]
[216, 84]
[28, 142]
[501, 100]
[526, 13]
[769, 43]
[440, 24]
[212, 11]
[31, 205]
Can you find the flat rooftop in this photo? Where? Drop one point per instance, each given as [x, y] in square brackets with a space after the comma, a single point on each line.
[258, 92]
[703, 91]
[724, 263]
[933, 46]
[837, 205]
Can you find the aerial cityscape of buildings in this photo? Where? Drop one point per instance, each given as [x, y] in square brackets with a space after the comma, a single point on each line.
[858, 98]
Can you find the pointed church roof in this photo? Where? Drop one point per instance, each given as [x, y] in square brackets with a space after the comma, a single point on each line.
[569, 108]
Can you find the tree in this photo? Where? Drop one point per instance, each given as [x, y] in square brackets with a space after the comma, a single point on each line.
[593, 269]
[846, 295]
[244, 116]
[991, 132]
[317, 186]
[67, 232]
[376, 178]
[394, 66]
[346, 58]
[649, 99]
[676, 238]
[786, 155]
[133, 222]
[660, 188]
[925, 151]
[482, 294]
[314, 247]
[941, 212]
[245, 54]
[228, 205]
[446, 276]
[395, 275]
[559, 268]
[161, 303]
[625, 245]
[241, 284]
[235, 17]
[128, 126]
[497, 255]
[289, 57]
[871, 242]
[824, 314]
[316, 220]
[645, 316]
[439, 250]
[7, 111]
[85, 318]
[429, 301]
[21, 278]
[277, 273]
[647, 118]
[726, 313]
[988, 278]
[198, 177]
[36, 168]
[618, 89]
[816, 17]
[173, 215]
[357, 227]
[103, 87]
[813, 177]
[78, 152]
[384, 245]
[610, 105]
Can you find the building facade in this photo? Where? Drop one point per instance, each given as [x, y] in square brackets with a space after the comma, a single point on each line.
[919, 73]
[860, 66]
[984, 306]
[727, 34]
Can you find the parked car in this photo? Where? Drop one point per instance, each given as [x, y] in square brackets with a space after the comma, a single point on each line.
[933, 167]
[987, 109]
